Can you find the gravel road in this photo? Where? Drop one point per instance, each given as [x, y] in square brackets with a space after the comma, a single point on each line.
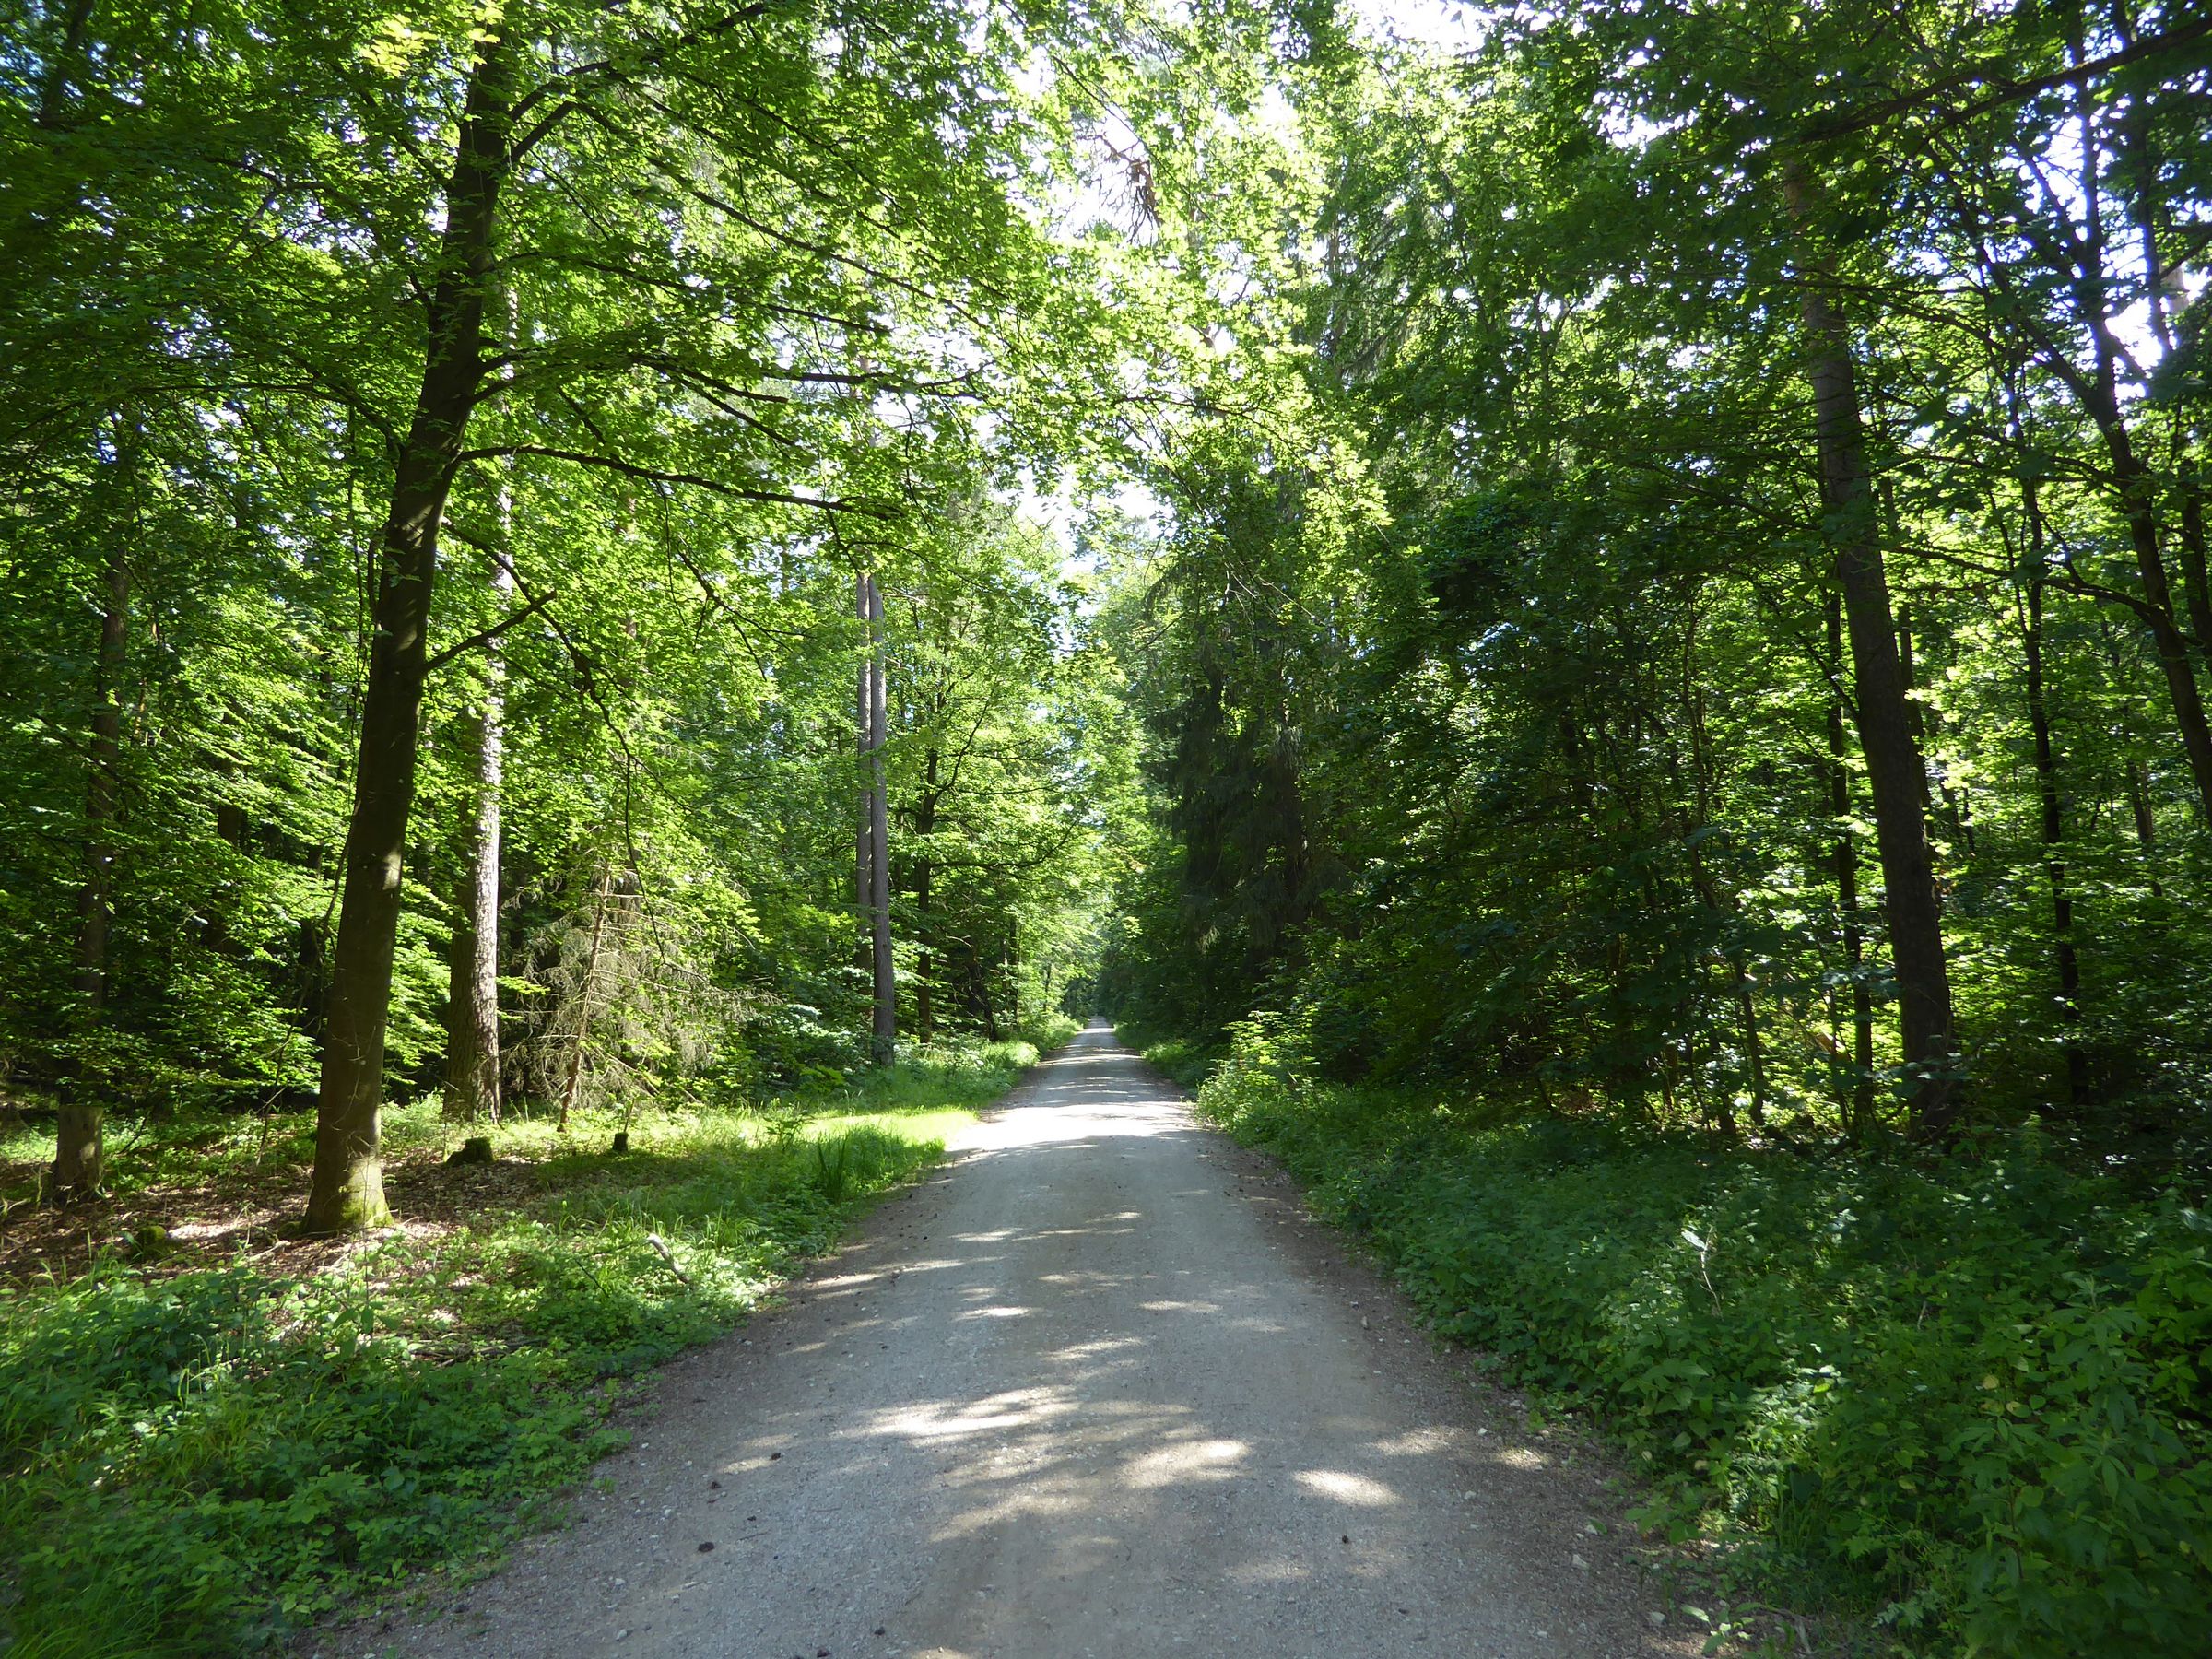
[1097, 1388]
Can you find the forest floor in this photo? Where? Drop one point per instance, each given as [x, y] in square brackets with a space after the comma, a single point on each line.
[1097, 1388]
[214, 1436]
[227, 1189]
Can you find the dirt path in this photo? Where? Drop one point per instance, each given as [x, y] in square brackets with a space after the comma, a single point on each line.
[1096, 1389]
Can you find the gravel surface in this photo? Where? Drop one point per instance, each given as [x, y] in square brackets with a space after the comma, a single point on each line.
[1097, 1388]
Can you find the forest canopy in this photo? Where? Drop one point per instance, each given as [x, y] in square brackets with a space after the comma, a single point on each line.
[1628, 579]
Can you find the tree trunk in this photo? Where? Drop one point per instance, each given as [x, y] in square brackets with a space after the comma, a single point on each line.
[472, 1021]
[2053, 827]
[978, 995]
[2138, 506]
[1916, 717]
[572, 1088]
[2135, 774]
[2197, 583]
[926, 824]
[472, 1053]
[1859, 1112]
[1894, 768]
[864, 837]
[886, 1028]
[1709, 893]
[2138, 487]
[347, 1189]
[2146, 826]
[79, 1150]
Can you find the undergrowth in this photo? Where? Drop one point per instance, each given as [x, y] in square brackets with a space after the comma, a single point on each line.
[1187, 1060]
[200, 1462]
[1972, 1397]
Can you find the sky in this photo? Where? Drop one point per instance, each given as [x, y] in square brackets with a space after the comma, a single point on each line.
[1437, 22]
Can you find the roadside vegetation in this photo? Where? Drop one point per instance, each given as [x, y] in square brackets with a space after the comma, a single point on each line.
[1964, 1400]
[207, 1448]
[1678, 785]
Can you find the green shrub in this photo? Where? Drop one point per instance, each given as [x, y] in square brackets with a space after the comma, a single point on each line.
[1187, 1060]
[1978, 1394]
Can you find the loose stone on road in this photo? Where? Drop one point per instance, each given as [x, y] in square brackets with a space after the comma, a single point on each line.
[1096, 1389]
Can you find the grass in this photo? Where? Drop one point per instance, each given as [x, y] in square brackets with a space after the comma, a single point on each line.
[1187, 1060]
[202, 1455]
[1968, 1400]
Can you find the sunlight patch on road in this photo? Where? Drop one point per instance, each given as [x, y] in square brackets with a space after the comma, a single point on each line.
[1343, 1487]
[949, 1420]
[1080, 1351]
[1047, 1124]
[1179, 1465]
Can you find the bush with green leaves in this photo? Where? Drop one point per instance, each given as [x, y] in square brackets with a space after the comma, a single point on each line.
[1974, 1395]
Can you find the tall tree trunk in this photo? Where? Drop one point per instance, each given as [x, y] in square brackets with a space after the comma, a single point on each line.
[2146, 825]
[1709, 893]
[2138, 507]
[1916, 717]
[1894, 769]
[885, 1026]
[864, 836]
[2139, 489]
[347, 1188]
[2197, 583]
[1860, 1102]
[79, 1149]
[472, 1018]
[2053, 825]
[926, 824]
[472, 1053]
[2135, 774]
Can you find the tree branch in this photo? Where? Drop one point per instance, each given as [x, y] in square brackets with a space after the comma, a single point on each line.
[1992, 73]
[653, 475]
[486, 636]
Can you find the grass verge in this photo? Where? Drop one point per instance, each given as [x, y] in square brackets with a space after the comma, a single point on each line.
[1972, 1399]
[199, 1459]
[1187, 1060]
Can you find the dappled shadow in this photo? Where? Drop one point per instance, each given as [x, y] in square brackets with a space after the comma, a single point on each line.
[1071, 1387]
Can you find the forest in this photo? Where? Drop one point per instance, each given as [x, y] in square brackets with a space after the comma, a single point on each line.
[1593, 619]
